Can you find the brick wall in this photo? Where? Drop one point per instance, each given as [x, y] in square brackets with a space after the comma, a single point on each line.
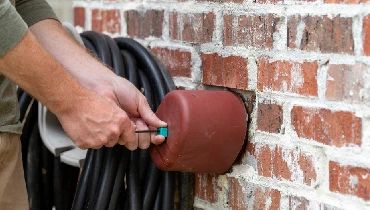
[303, 67]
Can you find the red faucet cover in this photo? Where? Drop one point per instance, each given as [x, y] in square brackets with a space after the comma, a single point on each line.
[206, 131]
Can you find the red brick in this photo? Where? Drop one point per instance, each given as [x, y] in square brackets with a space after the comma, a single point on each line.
[236, 195]
[228, 71]
[349, 180]
[79, 16]
[177, 62]
[346, 82]
[366, 35]
[321, 33]
[205, 187]
[106, 21]
[270, 117]
[255, 31]
[228, 29]
[287, 76]
[173, 25]
[142, 24]
[197, 28]
[263, 198]
[334, 128]
[247, 157]
[273, 161]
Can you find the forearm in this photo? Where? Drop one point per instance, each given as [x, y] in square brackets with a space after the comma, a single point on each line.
[75, 59]
[33, 69]
[92, 74]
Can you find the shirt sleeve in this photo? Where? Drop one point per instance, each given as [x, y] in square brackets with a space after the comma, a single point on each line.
[12, 27]
[33, 11]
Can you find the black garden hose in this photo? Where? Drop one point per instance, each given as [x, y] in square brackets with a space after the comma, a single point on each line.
[133, 61]
[116, 178]
[34, 169]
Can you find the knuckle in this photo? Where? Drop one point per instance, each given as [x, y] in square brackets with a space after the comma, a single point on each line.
[103, 140]
[123, 117]
[110, 144]
[142, 99]
[115, 131]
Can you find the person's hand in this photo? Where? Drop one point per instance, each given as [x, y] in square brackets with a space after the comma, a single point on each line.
[144, 139]
[93, 76]
[94, 121]
[132, 101]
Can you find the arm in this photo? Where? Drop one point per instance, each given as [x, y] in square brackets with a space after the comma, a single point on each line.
[89, 119]
[94, 76]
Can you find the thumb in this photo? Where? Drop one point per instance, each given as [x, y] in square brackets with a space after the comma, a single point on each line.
[148, 115]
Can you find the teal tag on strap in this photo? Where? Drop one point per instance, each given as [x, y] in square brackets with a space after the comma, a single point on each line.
[162, 131]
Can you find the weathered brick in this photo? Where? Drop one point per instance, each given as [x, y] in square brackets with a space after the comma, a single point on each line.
[250, 31]
[143, 24]
[249, 155]
[334, 128]
[349, 180]
[243, 196]
[106, 21]
[348, 83]
[79, 16]
[270, 117]
[366, 34]
[236, 195]
[228, 71]
[321, 33]
[177, 62]
[287, 76]
[228, 29]
[173, 25]
[301, 203]
[277, 162]
[194, 28]
[265, 198]
[205, 187]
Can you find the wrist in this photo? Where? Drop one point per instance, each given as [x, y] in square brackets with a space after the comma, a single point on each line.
[69, 101]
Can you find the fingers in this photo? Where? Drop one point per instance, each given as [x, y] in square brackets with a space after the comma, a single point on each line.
[142, 138]
[157, 139]
[148, 115]
[128, 137]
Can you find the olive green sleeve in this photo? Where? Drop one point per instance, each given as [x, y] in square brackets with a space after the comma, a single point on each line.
[12, 27]
[33, 11]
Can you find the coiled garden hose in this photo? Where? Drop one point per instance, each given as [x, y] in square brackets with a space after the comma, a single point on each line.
[115, 178]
